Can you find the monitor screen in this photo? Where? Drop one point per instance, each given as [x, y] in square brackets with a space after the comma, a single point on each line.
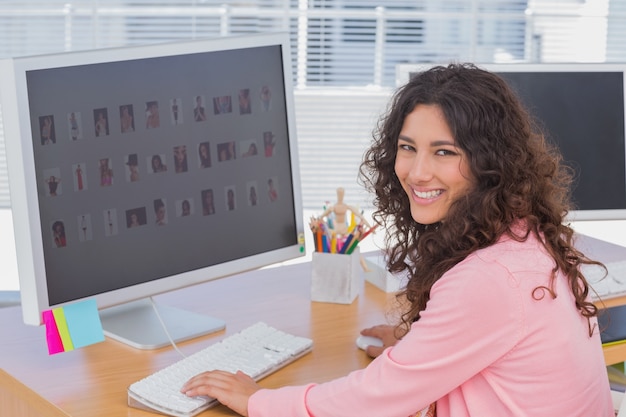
[581, 109]
[135, 171]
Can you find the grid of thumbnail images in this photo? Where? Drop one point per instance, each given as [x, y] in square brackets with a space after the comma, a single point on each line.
[133, 167]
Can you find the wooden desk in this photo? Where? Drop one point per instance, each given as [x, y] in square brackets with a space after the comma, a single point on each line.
[92, 381]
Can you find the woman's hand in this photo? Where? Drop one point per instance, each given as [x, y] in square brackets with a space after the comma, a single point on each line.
[232, 390]
[384, 332]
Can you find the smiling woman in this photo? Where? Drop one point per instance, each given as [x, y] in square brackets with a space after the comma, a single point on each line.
[433, 171]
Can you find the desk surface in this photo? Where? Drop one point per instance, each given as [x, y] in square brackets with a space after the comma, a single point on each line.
[92, 381]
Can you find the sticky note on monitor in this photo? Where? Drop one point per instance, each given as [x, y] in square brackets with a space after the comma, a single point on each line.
[72, 326]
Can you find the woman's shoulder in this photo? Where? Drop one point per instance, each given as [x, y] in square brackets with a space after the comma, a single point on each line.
[523, 253]
[496, 267]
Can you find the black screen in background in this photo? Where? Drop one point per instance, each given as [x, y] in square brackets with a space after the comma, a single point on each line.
[583, 114]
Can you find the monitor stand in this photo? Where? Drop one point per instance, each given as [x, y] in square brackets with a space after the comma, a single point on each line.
[137, 324]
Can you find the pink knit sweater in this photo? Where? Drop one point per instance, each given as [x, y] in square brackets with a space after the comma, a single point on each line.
[483, 347]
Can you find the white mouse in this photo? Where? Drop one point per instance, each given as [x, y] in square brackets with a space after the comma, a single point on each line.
[364, 341]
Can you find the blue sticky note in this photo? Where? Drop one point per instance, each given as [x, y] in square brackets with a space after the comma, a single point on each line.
[83, 322]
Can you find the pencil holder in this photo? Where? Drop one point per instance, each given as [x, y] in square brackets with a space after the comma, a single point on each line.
[336, 278]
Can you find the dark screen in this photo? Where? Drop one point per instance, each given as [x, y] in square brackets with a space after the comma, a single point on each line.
[149, 168]
[583, 114]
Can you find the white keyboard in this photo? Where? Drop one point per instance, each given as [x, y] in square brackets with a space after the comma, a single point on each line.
[258, 351]
[613, 285]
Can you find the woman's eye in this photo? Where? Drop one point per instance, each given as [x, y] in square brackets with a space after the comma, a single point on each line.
[405, 147]
[444, 152]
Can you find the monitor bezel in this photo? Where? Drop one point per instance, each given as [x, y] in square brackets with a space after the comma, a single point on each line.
[22, 173]
[403, 72]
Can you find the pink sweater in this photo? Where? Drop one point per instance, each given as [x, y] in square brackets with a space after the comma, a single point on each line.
[483, 347]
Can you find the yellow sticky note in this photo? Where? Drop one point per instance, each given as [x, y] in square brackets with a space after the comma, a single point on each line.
[64, 332]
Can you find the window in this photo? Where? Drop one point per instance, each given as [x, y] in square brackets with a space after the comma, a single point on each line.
[344, 52]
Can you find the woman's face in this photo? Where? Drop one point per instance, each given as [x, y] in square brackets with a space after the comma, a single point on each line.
[180, 153]
[160, 213]
[432, 170]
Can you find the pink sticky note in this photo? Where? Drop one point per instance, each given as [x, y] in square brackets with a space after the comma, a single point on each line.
[55, 345]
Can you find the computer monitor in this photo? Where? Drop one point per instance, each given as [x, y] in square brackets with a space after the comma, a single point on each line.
[141, 170]
[581, 108]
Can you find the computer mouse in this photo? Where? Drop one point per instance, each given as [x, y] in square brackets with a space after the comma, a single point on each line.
[364, 341]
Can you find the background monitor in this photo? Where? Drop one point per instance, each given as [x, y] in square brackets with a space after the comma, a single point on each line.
[141, 170]
[581, 107]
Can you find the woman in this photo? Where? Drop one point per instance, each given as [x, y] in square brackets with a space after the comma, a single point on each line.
[46, 131]
[126, 119]
[152, 115]
[199, 114]
[133, 220]
[102, 125]
[180, 159]
[252, 197]
[208, 207]
[230, 199]
[268, 143]
[53, 185]
[205, 155]
[74, 129]
[186, 208]
[497, 319]
[133, 167]
[252, 150]
[106, 173]
[158, 165]
[160, 212]
[58, 229]
[272, 193]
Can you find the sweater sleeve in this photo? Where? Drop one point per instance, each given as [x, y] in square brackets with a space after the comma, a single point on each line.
[473, 318]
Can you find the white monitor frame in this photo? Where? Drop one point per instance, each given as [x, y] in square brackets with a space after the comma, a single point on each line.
[19, 139]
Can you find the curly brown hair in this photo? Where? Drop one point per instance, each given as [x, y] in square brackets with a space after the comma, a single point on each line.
[516, 174]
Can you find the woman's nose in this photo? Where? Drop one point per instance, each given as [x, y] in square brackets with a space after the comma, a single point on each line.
[421, 168]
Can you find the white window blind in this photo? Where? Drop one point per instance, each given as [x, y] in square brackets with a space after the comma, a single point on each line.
[344, 52]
